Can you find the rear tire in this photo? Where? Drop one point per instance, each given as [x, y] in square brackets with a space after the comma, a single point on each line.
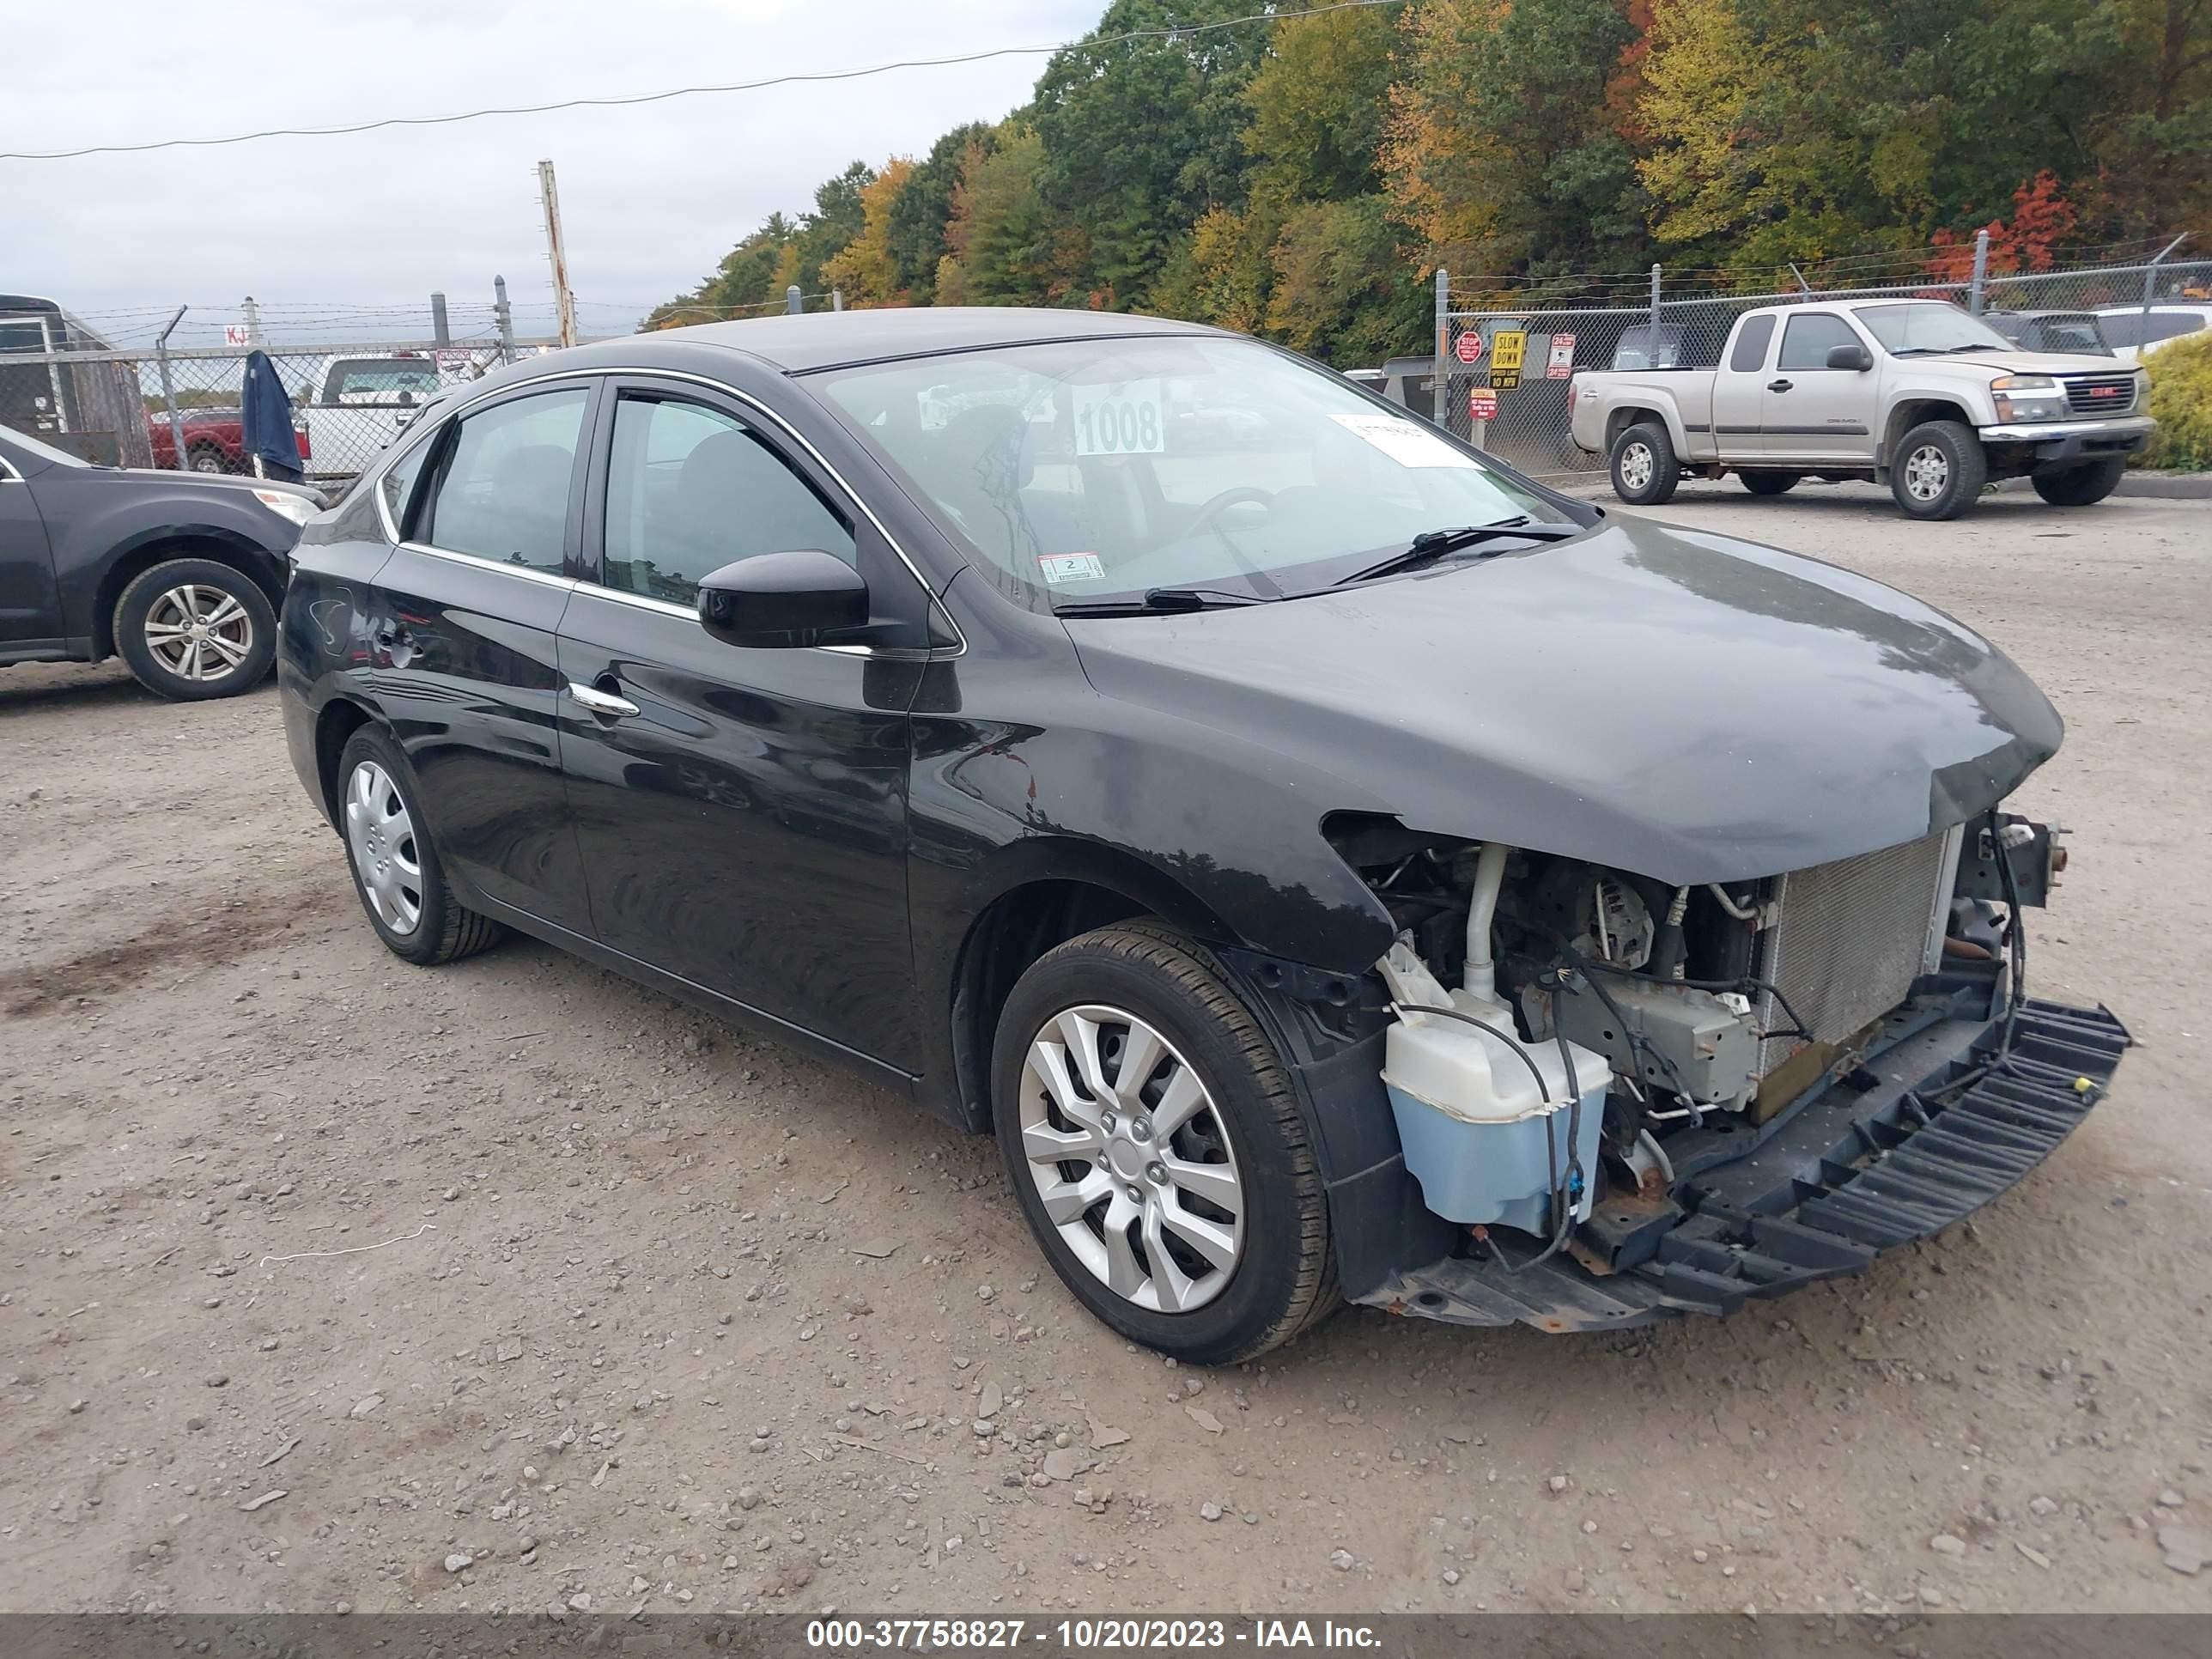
[397, 874]
[192, 629]
[1644, 467]
[1938, 470]
[1188, 1214]
[1769, 483]
[2081, 486]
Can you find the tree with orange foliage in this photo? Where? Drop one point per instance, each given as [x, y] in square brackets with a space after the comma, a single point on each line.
[2042, 219]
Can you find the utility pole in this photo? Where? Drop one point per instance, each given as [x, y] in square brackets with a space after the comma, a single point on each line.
[502, 315]
[253, 323]
[564, 301]
[439, 332]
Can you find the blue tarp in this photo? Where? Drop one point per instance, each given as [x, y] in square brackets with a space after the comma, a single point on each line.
[265, 416]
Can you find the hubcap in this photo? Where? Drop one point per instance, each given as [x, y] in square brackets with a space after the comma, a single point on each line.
[380, 837]
[1927, 470]
[199, 633]
[1125, 1146]
[1636, 464]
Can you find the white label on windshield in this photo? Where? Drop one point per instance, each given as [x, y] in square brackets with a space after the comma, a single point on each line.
[1122, 418]
[1404, 443]
[1059, 567]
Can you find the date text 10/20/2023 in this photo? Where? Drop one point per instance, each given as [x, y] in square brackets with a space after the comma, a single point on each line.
[1080, 1635]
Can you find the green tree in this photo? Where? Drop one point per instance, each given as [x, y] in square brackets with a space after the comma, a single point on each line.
[1005, 248]
[1502, 149]
[918, 218]
[1141, 137]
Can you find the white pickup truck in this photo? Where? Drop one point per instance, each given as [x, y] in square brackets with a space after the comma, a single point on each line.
[354, 405]
[1914, 394]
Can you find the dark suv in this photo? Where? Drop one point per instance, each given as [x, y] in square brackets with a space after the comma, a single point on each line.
[177, 573]
[1331, 863]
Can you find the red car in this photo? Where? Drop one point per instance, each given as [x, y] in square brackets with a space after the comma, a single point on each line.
[214, 440]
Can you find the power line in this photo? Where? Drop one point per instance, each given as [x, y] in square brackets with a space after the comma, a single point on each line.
[1173, 30]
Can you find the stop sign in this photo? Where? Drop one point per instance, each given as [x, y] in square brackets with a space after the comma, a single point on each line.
[1470, 347]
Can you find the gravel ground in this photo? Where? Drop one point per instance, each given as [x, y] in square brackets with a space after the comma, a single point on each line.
[328, 1282]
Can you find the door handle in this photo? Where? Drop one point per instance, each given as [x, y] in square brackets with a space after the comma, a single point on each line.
[598, 701]
[1778, 386]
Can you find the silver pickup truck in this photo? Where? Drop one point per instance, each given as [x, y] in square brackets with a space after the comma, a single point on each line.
[1914, 393]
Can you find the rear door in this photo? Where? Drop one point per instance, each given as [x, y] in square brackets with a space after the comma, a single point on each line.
[1740, 391]
[742, 812]
[30, 604]
[461, 626]
[1810, 412]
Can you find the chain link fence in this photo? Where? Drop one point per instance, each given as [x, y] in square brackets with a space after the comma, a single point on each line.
[1509, 355]
[162, 407]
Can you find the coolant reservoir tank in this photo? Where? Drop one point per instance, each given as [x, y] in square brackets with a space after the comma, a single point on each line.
[1485, 1118]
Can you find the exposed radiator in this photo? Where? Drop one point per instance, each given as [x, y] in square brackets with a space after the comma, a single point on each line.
[1850, 939]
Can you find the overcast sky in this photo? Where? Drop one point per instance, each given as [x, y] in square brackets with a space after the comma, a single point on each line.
[650, 196]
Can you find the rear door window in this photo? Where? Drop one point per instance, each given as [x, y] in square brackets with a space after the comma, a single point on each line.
[1748, 355]
[502, 492]
[2172, 324]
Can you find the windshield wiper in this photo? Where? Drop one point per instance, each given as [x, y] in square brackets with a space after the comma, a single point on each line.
[1162, 601]
[1945, 351]
[1433, 544]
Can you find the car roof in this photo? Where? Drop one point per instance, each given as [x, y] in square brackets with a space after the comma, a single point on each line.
[828, 339]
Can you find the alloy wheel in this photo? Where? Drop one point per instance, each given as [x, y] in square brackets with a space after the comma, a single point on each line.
[381, 836]
[199, 633]
[1636, 465]
[1927, 473]
[1129, 1153]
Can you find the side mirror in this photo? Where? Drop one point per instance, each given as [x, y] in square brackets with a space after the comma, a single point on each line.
[782, 599]
[1850, 356]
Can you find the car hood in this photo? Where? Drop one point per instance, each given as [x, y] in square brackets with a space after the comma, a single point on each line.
[192, 482]
[1677, 704]
[2019, 360]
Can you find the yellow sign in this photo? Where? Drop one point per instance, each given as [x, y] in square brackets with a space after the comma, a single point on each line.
[1507, 347]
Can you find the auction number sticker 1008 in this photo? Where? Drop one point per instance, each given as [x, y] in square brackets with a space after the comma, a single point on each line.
[1124, 417]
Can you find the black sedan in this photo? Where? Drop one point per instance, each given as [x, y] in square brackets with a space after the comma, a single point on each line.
[178, 573]
[1332, 864]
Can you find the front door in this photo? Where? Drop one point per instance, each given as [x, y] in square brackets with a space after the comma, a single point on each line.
[1812, 412]
[460, 623]
[30, 605]
[742, 812]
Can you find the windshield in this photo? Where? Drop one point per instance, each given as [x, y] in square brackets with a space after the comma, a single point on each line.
[1099, 469]
[43, 451]
[1929, 325]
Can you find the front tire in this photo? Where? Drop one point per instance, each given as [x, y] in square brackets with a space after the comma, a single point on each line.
[1938, 470]
[1769, 483]
[1157, 1148]
[397, 874]
[192, 629]
[2081, 486]
[1645, 466]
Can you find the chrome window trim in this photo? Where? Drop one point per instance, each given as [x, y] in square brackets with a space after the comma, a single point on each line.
[726, 390]
[482, 563]
[8, 473]
[375, 482]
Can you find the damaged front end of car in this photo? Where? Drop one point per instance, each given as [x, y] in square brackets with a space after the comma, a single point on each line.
[1611, 1099]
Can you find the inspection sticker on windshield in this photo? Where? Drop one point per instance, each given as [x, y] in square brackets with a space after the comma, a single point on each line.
[1404, 443]
[1121, 417]
[1062, 568]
